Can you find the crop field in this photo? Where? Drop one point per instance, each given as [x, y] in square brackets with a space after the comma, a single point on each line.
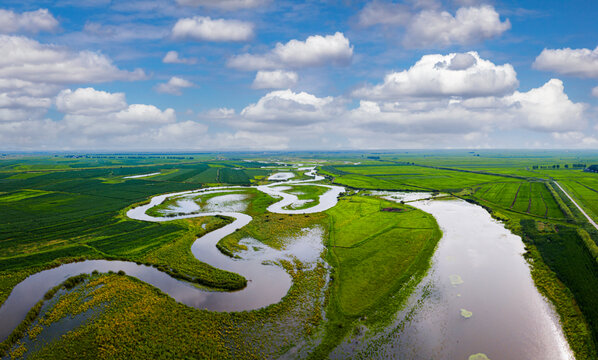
[407, 177]
[532, 198]
[581, 186]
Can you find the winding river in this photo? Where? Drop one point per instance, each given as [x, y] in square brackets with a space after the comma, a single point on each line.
[267, 284]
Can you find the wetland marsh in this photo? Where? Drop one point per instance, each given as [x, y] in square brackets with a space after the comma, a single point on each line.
[299, 267]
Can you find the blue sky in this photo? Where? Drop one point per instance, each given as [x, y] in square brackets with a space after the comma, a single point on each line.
[275, 75]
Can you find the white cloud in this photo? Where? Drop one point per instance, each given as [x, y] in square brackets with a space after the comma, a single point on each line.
[172, 57]
[544, 109]
[465, 75]
[28, 60]
[575, 62]
[386, 13]
[30, 21]
[469, 25]
[221, 113]
[88, 101]
[95, 114]
[290, 108]
[316, 50]
[115, 125]
[277, 79]
[432, 27]
[224, 4]
[204, 28]
[94, 32]
[595, 92]
[575, 139]
[547, 108]
[174, 86]
[37, 71]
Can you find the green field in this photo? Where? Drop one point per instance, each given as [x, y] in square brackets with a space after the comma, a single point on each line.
[375, 248]
[531, 198]
[63, 208]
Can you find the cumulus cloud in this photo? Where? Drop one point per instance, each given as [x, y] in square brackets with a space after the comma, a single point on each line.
[95, 114]
[316, 50]
[88, 101]
[277, 79]
[27, 60]
[595, 92]
[203, 28]
[464, 75]
[547, 108]
[291, 108]
[172, 57]
[224, 4]
[29, 69]
[174, 86]
[29, 21]
[575, 62]
[430, 26]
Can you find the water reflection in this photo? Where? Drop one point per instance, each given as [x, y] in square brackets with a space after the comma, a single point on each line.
[481, 300]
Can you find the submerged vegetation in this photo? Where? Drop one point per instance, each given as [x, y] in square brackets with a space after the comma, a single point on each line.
[55, 210]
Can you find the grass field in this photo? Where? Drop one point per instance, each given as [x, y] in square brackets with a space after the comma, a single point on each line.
[374, 248]
[374, 254]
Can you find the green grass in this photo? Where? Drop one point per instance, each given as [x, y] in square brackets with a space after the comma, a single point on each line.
[271, 229]
[176, 259]
[565, 253]
[375, 249]
[307, 192]
[132, 320]
[22, 195]
[374, 271]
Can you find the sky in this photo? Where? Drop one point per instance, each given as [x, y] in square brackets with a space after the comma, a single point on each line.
[208, 75]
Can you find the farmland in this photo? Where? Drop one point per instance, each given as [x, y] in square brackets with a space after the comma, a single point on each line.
[56, 210]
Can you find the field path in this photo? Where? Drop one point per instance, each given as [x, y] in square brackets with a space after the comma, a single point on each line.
[579, 207]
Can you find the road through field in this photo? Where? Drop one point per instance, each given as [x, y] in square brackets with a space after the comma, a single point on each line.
[579, 207]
